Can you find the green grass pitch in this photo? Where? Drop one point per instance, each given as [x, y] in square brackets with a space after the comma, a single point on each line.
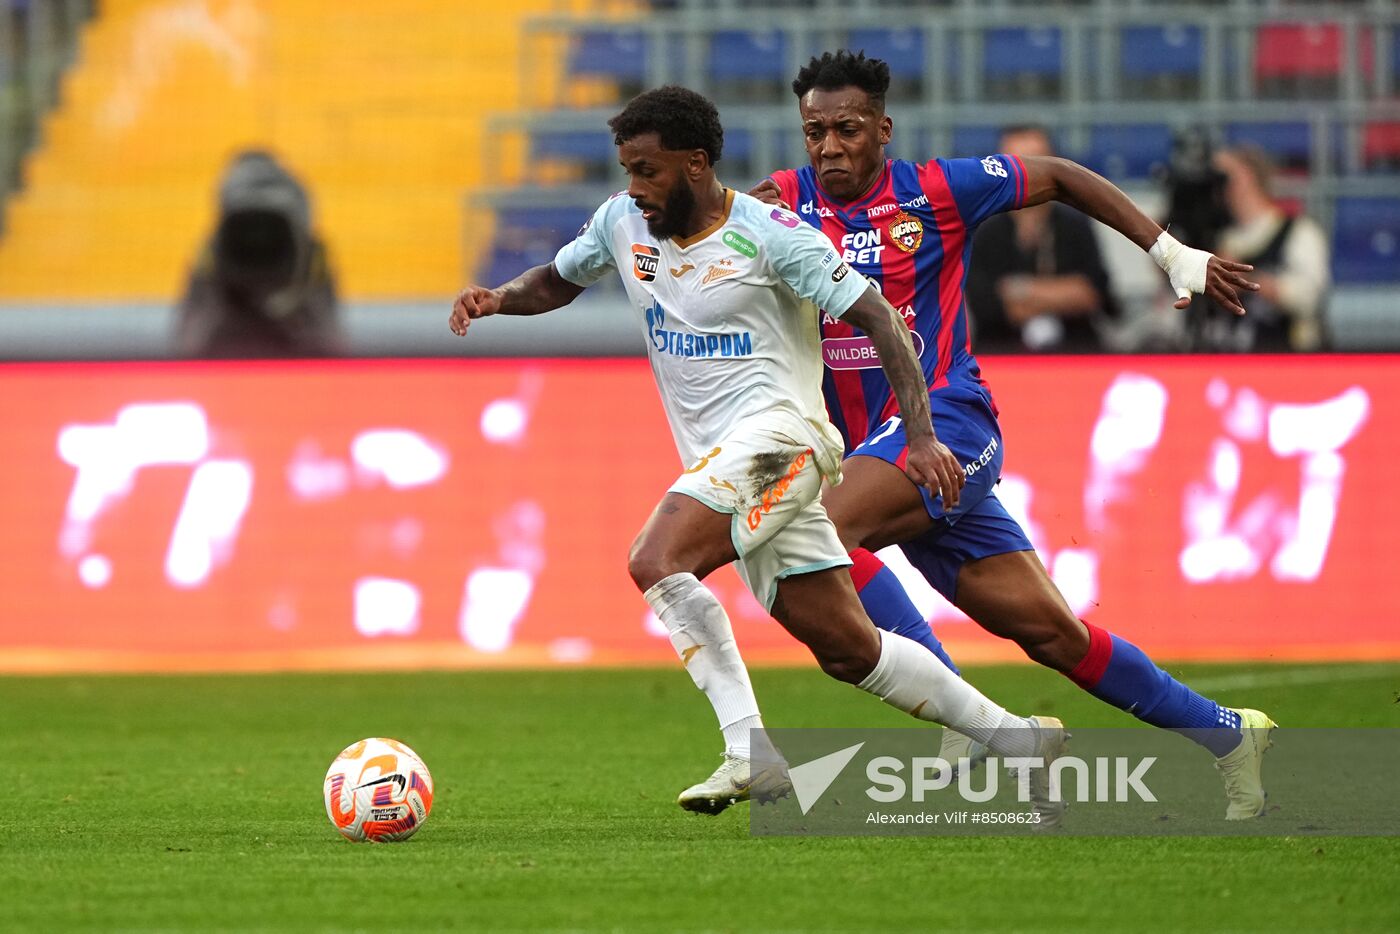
[183, 803]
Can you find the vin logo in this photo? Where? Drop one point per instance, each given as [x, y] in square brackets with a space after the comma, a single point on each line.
[645, 261]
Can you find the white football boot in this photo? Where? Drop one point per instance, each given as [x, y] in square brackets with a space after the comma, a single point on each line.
[1242, 766]
[737, 780]
[959, 750]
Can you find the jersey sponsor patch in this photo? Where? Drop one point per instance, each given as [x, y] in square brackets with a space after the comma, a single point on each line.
[858, 353]
[839, 272]
[784, 218]
[739, 244]
[675, 343]
[646, 260]
[992, 166]
[907, 231]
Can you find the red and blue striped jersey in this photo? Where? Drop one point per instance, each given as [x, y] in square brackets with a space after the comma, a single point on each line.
[911, 236]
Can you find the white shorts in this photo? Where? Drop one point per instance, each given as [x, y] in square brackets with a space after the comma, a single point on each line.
[767, 478]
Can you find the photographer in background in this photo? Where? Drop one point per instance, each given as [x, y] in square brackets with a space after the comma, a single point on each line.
[1037, 280]
[1290, 255]
[262, 286]
[1222, 201]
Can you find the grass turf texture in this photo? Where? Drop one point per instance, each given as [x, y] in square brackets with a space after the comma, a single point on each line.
[195, 802]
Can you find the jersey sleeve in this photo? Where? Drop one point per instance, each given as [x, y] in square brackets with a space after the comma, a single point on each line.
[979, 187]
[804, 259]
[588, 257]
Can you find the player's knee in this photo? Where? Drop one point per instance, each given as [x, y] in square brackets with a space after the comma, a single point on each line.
[1058, 643]
[647, 567]
[850, 662]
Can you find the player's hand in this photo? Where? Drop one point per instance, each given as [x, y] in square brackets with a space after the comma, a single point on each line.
[768, 192]
[1223, 278]
[1196, 272]
[932, 466]
[474, 302]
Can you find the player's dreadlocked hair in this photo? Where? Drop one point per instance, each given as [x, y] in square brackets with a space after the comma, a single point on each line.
[845, 69]
[682, 118]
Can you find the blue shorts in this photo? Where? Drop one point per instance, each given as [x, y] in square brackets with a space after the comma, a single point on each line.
[980, 526]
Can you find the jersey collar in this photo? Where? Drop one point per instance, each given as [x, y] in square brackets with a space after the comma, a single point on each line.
[684, 243]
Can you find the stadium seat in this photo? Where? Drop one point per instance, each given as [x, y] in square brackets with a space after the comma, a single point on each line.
[1128, 150]
[1289, 144]
[749, 65]
[1380, 148]
[1022, 63]
[529, 236]
[1366, 240]
[1161, 61]
[902, 49]
[610, 53]
[974, 141]
[738, 145]
[735, 54]
[583, 145]
[1305, 59]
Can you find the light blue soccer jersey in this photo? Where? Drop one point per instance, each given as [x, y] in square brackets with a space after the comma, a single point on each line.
[730, 314]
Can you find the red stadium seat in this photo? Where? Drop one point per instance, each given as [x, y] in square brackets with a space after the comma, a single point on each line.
[1380, 147]
[1306, 58]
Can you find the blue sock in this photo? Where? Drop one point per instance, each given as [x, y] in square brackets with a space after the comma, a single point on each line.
[1120, 673]
[889, 606]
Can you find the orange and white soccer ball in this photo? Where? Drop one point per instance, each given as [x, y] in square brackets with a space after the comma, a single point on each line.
[378, 790]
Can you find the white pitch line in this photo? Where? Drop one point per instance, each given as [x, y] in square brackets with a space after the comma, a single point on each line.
[1296, 676]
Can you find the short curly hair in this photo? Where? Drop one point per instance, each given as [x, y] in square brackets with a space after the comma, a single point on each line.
[682, 119]
[845, 69]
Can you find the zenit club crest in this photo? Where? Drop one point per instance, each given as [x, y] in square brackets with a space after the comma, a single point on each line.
[907, 231]
[645, 261]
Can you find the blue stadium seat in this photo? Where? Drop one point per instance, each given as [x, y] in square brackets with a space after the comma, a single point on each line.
[1128, 150]
[530, 236]
[582, 145]
[1366, 240]
[749, 55]
[1149, 51]
[1020, 51]
[620, 54]
[979, 140]
[738, 145]
[566, 220]
[902, 49]
[1288, 143]
[975, 140]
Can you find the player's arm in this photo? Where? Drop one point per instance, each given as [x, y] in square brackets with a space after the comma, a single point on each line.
[930, 463]
[1049, 178]
[533, 292]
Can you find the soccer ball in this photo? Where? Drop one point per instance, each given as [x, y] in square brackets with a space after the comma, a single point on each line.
[378, 790]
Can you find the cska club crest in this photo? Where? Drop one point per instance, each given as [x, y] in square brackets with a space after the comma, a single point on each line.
[907, 231]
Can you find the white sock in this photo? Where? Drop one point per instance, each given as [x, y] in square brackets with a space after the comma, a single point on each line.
[910, 677]
[703, 638]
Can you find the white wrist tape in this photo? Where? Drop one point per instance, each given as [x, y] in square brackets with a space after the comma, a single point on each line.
[1184, 266]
